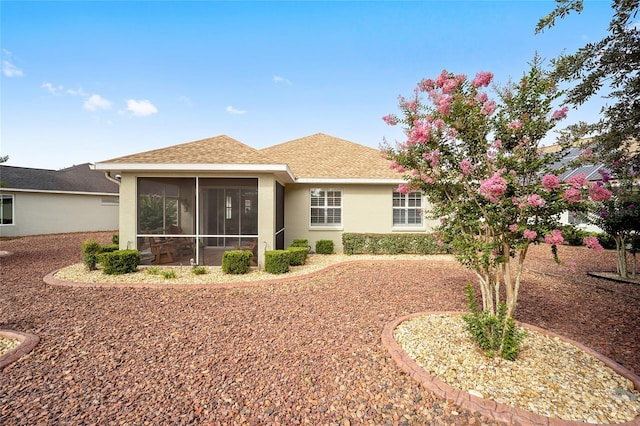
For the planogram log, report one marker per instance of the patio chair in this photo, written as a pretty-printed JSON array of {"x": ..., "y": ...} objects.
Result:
[{"x": 163, "y": 250}]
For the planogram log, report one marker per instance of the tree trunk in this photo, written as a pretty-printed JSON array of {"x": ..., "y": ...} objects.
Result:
[{"x": 621, "y": 255}]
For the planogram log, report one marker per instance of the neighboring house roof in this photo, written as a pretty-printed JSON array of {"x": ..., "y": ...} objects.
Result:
[
  {"x": 591, "y": 171},
  {"x": 80, "y": 178},
  {"x": 322, "y": 156}
]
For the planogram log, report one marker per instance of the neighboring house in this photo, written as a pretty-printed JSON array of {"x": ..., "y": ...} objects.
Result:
[
  {"x": 39, "y": 201},
  {"x": 214, "y": 194}
]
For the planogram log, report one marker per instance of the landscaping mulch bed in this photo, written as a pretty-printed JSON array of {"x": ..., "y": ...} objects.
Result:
[{"x": 306, "y": 351}]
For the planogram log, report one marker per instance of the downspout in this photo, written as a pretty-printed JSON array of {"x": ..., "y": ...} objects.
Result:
[{"x": 107, "y": 175}]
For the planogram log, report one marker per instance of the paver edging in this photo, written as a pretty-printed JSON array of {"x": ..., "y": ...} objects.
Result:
[
  {"x": 52, "y": 280},
  {"x": 488, "y": 408},
  {"x": 27, "y": 343}
]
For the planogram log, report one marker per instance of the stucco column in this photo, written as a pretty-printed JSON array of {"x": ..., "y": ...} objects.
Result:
[
  {"x": 266, "y": 216},
  {"x": 128, "y": 213}
]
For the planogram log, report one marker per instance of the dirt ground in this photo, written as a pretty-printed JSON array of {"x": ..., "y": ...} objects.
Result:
[{"x": 306, "y": 351}]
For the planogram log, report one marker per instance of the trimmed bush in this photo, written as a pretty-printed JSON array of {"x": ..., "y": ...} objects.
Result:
[
  {"x": 324, "y": 246},
  {"x": 109, "y": 248},
  {"x": 90, "y": 251},
  {"x": 119, "y": 261},
  {"x": 236, "y": 262},
  {"x": 298, "y": 255},
  {"x": 606, "y": 241},
  {"x": 199, "y": 270},
  {"x": 277, "y": 261},
  {"x": 300, "y": 243},
  {"x": 405, "y": 243}
]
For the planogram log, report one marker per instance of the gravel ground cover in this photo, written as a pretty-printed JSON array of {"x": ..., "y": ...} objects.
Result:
[{"x": 306, "y": 351}]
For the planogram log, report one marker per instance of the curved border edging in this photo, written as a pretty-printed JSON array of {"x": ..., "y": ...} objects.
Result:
[
  {"x": 27, "y": 343},
  {"x": 486, "y": 407},
  {"x": 51, "y": 280}
]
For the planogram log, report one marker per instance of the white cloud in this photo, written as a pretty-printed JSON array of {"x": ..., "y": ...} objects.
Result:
[
  {"x": 278, "y": 80},
  {"x": 10, "y": 70},
  {"x": 185, "y": 100},
  {"x": 51, "y": 88},
  {"x": 77, "y": 92},
  {"x": 232, "y": 110},
  {"x": 96, "y": 102},
  {"x": 141, "y": 108}
]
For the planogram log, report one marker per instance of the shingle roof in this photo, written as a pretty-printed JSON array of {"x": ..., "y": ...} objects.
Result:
[
  {"x": 324, "y": 156},
  {"x": 80, "y": 178},
  {"x": 217, "y": 150}
]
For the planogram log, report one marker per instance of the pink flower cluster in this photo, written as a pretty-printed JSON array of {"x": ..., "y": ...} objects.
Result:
[
  {"x": 488, "y": 108},
  {"x": 483, "y": 78},
  {"x": 432, "y": 157},
  {"x": 405, "y": 188},
  {"x": 598, "y": 193},
  {"x": 550, "y": 182},
  {"x": 560, "y": 114},
  {"x": 593, "y": 243},
  {"x": 390, "y": 119},
  {"x": 466, "y": 167},
  {"x": 530, "y": 235},
  {"x": 536, "y": 201},
  {"x": 420, "y": 133},
  {"x": 578, "y": 181},
  {"x": 554, "y": 238},
  {"x": 572, "y": 195},
  {"x": 515, "y": 125},
  {"x": 494, "y": 187}
]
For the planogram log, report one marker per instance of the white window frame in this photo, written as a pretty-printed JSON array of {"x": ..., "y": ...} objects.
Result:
[
  {"x": 406, "y": 207},
  {"x": 13, "y": 209},
  {"x": 325, "y": 206}
]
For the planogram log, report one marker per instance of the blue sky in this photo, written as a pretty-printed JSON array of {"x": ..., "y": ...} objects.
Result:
[{"x": 90, "y": 81}]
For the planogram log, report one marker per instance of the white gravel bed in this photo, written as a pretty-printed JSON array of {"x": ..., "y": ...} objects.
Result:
[
  {"x": 550, "y": 377},
  {"x": 7, "y": 345},
  {"x": 184, "y": 275}
]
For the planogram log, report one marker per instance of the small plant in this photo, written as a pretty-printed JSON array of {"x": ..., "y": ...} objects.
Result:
[
  {"x": 494, "y": 334},
  {"x": 199, "y": 270},
  {"x": 236, "y": 261},
  {"x": 300, "y": 243},
  {"x": 298, "y": 255},
  {"x": 277, "y": 261},
  {"x": 119, "y": 262},
  {"x": 169, "y": 274},
  {"x": 324, "y": 246},
  {"x": 115, "y": 239},
  {"x": 90, "y": 251},
  {"x": 153, "y": 270}
]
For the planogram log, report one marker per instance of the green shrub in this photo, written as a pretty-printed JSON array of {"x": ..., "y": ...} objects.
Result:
[
  {"x": 115, "y": 239},
  {"x": 298, "y": 255},
  {"x": 404, "y": 243},
  {"x": 199, "y": 270},
  {"x": 494, "y": 334},
  {"x": 90, "y": 251},
  {"x": 119, "y": 261},
  {"x": 277, "y": 261},
  {"x": 572, "y": 235},
  {"x": 300, "y": 243},
  {"x": 236, "y": 261},
  {"x": 109, "y": 248},
  {"x": 324, "y": 246},
  {"x": 153, "y": 270},
  {"x": 169, "y": 274}
]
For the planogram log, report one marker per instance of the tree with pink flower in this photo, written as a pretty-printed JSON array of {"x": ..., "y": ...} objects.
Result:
[{"x": 481, "y": 168}]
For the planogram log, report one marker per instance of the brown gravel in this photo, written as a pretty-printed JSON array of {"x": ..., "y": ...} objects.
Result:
[{"x": 302, "y": 352}]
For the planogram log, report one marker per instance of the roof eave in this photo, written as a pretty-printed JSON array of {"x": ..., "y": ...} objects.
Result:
[
  {"x": 338, "y": 181},
  {"x": 282, "y": 170}
]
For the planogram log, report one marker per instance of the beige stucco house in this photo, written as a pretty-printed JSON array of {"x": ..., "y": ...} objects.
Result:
[
  {"x": 42, "y": 201},
  {"x": 214, "y": 194}
]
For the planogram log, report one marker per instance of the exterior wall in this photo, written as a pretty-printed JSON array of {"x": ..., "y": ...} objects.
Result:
[
  {"x": 54, "y": 213},
  {"x": 365, "y": 208}
]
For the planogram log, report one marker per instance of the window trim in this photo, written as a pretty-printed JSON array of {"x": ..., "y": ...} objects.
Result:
[
  {"x": 329, "y": 226},
  {"x": 13, "y": 209},
  {"x": 406, "y": 208}
]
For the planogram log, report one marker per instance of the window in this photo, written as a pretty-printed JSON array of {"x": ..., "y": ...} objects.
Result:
[
  {"x": 326, "y": 207},
  {"x": 407, "y": 209},
  {"x": 6, "y": 209}
]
